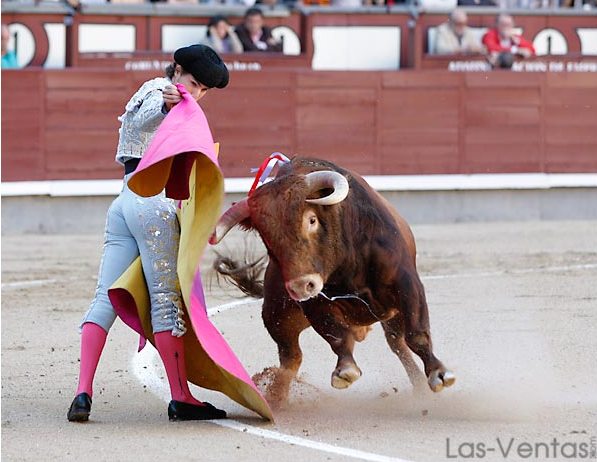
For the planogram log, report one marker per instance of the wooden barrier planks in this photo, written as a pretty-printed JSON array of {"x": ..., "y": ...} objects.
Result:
[
  {"x": 570, "y": 121},
  {"x": 81, "y": 125},
  {"x": 23, "y": 125},
  {"x": 405, "y": 122}
]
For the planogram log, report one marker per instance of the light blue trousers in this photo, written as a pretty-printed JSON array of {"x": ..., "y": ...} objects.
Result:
[{"x": 145, "y": 226}]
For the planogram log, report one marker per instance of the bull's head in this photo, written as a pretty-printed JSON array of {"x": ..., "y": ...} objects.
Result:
[{"x": 300, "y": 224}]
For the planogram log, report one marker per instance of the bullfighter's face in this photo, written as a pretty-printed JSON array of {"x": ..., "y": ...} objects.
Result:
[{"x": 196, "y": 89}]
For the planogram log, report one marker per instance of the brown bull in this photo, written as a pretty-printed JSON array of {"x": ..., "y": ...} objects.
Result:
[{"x": 341, "y": 259}]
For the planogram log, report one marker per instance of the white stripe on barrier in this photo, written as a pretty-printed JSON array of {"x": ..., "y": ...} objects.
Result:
[{"x": 457, "y": 182}]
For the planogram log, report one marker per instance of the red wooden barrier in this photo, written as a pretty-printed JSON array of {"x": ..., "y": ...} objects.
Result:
[{"x": 62, "y": 124}]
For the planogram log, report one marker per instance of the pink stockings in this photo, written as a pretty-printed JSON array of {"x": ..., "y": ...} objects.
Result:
[
  {"x": 93, "y": 339},
  {"x": 171, "y": 349}
]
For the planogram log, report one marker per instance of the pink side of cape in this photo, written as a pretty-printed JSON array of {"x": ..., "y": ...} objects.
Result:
[
  {"x": 124, "y": 305},
  {"x": 211, "y": 340},
  {"x": 185, "y": 130}
]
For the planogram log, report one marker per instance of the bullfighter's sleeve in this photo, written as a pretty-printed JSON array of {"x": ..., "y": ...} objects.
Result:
[{"x": 149, "y": 114}]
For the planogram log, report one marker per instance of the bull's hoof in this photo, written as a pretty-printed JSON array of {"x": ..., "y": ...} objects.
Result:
[
  {"x": 274, "y": 383},
  {"x": 343, "y": 378},
  {"x": 440, "y": 379}
]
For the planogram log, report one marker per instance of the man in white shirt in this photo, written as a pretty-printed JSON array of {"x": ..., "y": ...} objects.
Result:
[{"x": 454, "y": 36}]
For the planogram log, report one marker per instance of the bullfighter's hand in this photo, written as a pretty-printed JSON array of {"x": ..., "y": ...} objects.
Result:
[{"x": 171, "y": 96}]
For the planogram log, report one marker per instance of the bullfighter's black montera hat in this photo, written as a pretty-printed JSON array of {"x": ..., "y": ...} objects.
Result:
[{"x": 203, "y": 64}]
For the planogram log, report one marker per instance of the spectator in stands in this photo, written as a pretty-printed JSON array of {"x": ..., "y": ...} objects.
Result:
[
  {"x": 584, "y": 4},
  {"x": 221, "y": 36},
  {"x": 9, "y": 57},
  {"x": 503, "y": 43},
  {"x": 239, "y": 3},
  {"x": 254, "y": 35},
  {"x": 477, "y": 3},
  {"x": 347, "y": 3},
  {"x": 267, "y": 3},
  {"x": 454, "y": 36}
]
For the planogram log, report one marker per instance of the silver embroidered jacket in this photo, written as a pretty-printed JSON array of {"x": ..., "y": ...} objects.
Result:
[{"x": 143, "y": 114}]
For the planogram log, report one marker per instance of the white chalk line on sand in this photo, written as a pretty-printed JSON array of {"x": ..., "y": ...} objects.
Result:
[
  {"x": 39, "y": 282},
  {"x": 228, "y": 306},
  {"x": 147, "y": 375},
  {"x": 244, "y": 301},
  {"x": 26, "y": 284},
  {"x": 546, "y": 269},
  {"x": 143, "y": 367},
  {"x": 297, "y": 441}
]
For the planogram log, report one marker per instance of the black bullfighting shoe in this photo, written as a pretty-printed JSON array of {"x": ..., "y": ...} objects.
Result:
[
  {"x": 80, "y": 408},
  {"x": 177, "y": 410}
]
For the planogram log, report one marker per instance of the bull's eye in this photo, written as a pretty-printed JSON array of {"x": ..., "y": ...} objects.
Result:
[{"x": 310, "y": 223}]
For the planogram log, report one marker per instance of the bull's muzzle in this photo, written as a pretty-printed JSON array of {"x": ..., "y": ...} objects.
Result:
[{"x": 305, "y": 287}]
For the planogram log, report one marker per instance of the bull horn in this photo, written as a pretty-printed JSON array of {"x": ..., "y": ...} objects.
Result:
[
  {"x": 232, "y": 217},
  {"x": 327, "y": 179}
]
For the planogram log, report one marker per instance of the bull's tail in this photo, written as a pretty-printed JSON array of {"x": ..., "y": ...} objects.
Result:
[{"x": 247, "y": 276}]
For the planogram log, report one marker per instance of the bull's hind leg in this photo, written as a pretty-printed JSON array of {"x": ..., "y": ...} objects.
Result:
[
  {"x": 394, "y": 331},
  {"x": 417, "y": 332},
  {"x": 329, "y": 323}
]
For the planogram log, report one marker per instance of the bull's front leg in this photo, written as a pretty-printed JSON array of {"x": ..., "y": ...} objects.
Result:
[
  {"x": 284, "y": 320},
  {"x": 417, "y": 331},
  {"x": 329, "y": 323}
]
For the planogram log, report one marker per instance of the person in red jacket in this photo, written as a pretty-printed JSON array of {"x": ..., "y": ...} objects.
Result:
[{"x": 502, "y": 41}]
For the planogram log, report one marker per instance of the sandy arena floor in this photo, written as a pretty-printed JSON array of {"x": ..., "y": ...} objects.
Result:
[{"x": 513, "y": 312}]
